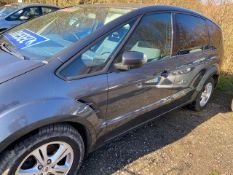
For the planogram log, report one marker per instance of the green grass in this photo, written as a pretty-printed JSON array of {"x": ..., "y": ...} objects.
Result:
[
  {"x": 225, "y": 84},
  {"x": 214, "y": 173}
]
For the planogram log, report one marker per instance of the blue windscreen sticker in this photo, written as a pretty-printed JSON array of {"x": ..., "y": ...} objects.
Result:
[{"x": 24, "y": 38}]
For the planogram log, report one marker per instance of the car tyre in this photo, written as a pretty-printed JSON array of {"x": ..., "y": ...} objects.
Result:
[
  {"x": 203, "y": 96},
  {"x": 61, "y": 146}
]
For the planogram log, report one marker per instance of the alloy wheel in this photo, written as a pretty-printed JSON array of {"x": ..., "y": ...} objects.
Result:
[
  {"x": 206, "y": 94},
  {"x": 54, "y": 158}
]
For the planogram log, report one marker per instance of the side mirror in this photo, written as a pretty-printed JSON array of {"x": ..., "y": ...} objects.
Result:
[
  {"x": 23, "y": 18},
  {"x": 131, "y": 59}
]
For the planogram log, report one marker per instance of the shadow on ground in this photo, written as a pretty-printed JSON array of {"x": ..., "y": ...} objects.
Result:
[{"x": 151, "y": 137}]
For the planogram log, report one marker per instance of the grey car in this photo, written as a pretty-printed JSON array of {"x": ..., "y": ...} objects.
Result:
[
  {"x": 17, "y": 13},
  {"x": 74, "y": 79}
]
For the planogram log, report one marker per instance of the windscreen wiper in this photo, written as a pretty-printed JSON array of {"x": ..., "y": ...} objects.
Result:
[{"x": 17, "y": 54}]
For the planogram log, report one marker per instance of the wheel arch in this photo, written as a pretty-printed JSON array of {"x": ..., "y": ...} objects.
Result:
[
  {"x": 213, "y": 72},
  {"x": 80, "y": 127},
  {"x": 27, "y": 119}
]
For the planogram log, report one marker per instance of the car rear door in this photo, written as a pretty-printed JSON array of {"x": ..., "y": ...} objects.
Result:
[
  {"x": 191, "y": 46},
  {"x": 137, "y": 91}
]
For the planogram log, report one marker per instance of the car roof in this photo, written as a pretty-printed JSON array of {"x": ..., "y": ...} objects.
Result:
[
  {"x": 146, "y": 8},
  {"x": 22, "y": 5}
]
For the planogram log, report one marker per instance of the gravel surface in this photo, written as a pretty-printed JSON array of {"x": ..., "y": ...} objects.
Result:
[{"x": 182, "y": 142}]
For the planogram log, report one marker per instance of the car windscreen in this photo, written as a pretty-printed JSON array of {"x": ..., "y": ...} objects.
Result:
[
  {"x": 48, "y": 35},
  {"x": 8, "y": 9}
]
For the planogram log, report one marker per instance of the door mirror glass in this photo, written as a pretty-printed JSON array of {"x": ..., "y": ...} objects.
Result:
[{"x": 131, "y": 59}]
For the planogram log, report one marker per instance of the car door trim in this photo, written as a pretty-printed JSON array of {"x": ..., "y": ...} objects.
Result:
[{"x": 147, "y": 108}]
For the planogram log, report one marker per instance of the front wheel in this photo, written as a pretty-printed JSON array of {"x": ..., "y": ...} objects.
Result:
[
  {"x": 56, "y": 149},
  {"x": 204, "y": 96}
]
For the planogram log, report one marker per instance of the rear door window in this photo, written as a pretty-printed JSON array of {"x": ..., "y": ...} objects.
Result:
[{"x": 191, "y": 34}]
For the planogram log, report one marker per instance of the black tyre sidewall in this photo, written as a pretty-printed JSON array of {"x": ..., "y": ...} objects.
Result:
[{"x": 32, "y": 143}]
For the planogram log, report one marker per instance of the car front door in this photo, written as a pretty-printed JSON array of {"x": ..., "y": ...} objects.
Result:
[
  {"x": 87, "y": 79},
  {"x": 137, "y": 91}
]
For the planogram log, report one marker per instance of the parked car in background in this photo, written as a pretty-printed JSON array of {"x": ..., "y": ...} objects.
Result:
[
  {"x": 17, "y": 13},
  {"x": 76, "y": 78}
]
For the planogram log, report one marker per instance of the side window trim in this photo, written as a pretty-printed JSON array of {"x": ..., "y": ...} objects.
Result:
[
  {"x": 206, "y": 23},
  {"x": 40, "y": 10},
  {"x": 86, "y": 47}
]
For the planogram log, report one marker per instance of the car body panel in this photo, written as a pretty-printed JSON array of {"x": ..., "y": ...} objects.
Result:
[
  {"x": 107, "y": 104},
  {"x": 9, "y": 62},
  {"x": 60, "y": 101}
]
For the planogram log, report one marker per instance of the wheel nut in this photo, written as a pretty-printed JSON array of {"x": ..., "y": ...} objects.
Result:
[
  {"x": 49, "y": 161},
  {"x": 40, "y": 167}
]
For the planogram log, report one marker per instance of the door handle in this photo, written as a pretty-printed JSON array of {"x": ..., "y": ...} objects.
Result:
[{"x": 164, "y": 74}]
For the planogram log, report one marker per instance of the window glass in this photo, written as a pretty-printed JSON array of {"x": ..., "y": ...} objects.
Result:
[
  {"x": 152, "y": 37},
  {"x": 191, "y": 34},
  {"x": 46, "y": 10},
  {"x": 31, "y": 12},
  {"x": 215, "y": 35},
  {"x": 59, "y": 30},
  {"x": 15, "y": 16},
  {"x": 95, "y": 58},
  {"x": 7, "y": 10}
]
